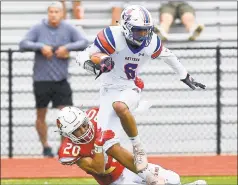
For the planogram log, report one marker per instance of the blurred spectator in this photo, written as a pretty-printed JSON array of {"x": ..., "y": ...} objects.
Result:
[
  {"x": 182, "y": 10},
  {"x": 52, "y": 39},
  {"x": 117, "y": 8},
  {"x": 77, "y": 10}
]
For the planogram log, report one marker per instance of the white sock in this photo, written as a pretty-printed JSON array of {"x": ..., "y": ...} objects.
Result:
[{"x": 135, "y": 140}]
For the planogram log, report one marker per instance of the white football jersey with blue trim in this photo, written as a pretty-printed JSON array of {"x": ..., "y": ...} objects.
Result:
[{"x": 128, "y": 60}]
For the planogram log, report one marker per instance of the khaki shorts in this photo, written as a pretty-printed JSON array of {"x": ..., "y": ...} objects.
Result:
[{"x": 176, "y": 9}]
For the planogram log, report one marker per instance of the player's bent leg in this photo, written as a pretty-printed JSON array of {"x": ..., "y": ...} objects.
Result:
[
  {"x": 123, "y": 105},
  {"x": 106, "y": 117},
  {"x": 127, "y": 119},
  {"x": 129, "y": 125}
]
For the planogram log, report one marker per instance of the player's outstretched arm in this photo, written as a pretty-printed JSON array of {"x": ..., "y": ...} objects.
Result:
[
  {"x": 88, "y": 164},
  {"x": 123, "y": 156},
  {"x": 171, "y": 59},
  {"x": 96, "y": 164}
]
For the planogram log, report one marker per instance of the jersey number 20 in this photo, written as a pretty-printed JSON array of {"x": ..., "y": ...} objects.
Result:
[
  {"x": 72, "y": 148},
  {"x": 130, "y": 70}
]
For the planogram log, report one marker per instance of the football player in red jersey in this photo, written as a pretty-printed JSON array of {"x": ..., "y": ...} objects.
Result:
[{"x": 99, "y": 153}]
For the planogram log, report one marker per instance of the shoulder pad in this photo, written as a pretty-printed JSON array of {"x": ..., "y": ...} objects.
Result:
[
  {"x": 155, "y": 46},
  {"x": 105, "y": 41},
  {"x": 92, "y": 115}
]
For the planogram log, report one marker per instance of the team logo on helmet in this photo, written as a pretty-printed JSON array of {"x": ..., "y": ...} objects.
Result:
[
  {"x": 127, "y": 15},
  {"x": 59, "y": 125}
]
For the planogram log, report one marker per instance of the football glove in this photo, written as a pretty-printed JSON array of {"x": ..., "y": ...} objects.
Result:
[
  {"x": 139, "y": 83},
  {"x": 105, "y": 66},
  {"x": 192, "y": 83},
  {"x": 101, "y": 138}
]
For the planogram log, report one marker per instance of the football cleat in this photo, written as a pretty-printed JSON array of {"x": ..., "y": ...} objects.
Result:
[{"x": 140, "y": 157}]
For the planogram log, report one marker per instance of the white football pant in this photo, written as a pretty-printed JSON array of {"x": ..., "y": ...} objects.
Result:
[
  {"x": 128, "y": 177},
  {"x": 107, "y": 118}
]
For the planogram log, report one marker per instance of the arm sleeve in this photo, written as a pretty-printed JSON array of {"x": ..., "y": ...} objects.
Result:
[
  {"x": 78, "y": 40},
  {"x": 30, "y": 41},
  {"x": 171, "y": 59}
]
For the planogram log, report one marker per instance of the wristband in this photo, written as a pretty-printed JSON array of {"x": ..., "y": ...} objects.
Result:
[{"x": 98, "y": 149}]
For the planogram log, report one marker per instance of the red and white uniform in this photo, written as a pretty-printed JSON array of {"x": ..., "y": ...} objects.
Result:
[
  {"x": 70, "y": 152},
  {"x": 115, "y": 173}
]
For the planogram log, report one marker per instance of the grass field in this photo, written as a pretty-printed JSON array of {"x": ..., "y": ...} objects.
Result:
[{"x": 215, "y": 180}]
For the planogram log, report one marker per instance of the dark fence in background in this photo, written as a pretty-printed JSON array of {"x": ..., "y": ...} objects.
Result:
[{"x": 8, "y": 75}]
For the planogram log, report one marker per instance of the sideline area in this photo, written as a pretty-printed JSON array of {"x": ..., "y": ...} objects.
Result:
[{"x": 183, "y": 165}]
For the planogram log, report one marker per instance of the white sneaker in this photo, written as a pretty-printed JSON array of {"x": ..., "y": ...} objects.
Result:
[
  {"x": 198, "y": 182},
  {"x": 140, "y": 157},
  {"x": 195, "y": 32}
]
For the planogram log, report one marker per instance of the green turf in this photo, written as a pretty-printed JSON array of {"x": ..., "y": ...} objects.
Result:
[
  {"x": 73, "y": 181},
  {"x": 217, "y": 180}
]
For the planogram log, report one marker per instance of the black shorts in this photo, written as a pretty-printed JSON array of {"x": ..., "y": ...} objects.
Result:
[{"x": 59, "y": 93}]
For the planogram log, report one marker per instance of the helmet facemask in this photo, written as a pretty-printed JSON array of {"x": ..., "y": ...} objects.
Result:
[
  {"x": 86, "y": 136},
  {"x": 141, "y": 35}
]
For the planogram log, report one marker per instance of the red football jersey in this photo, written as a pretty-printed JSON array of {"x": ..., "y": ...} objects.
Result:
[{"x": 70, "y": 152}]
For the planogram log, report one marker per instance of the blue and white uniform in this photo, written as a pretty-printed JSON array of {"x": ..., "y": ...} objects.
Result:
[{"x": 118, "y": 84}]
